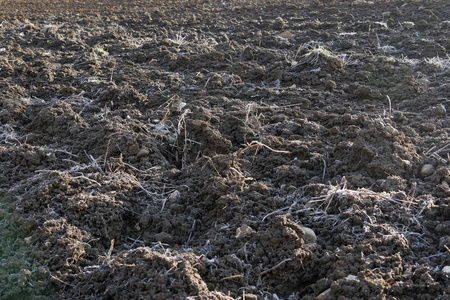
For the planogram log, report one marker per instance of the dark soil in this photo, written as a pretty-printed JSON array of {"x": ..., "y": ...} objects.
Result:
[{"x": 225, "y": 149}]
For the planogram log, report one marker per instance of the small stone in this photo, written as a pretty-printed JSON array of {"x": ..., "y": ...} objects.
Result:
[
  {"x": 346, "y": 45},
  {"x": 330, "y": 85},
  {"x": 27, "y": 240},
  {"x": 438, "y": 111},
  {"x": 244, "y": 231},
  {"x": 408, "y": 25},
  {"x": 279, "y": 23},
  {"x": 174, "y": 196},
  {"x": 309, "y": 237},
  {"x": 334, "y": 62},
  {"x": 324, "y": 295},
  {"x": 143, "y": 152},
  {"x": 399, "y": 116},
  {"x": 250, "y": 297},
  {"x": 427, "y": 170},
  {"x": 199, "y": 124},
  {"x": 164, "y": 237},
  {"x": 446, "y": 269},
  {"x": 180, "y": 104},
  {"x": 48, "y": 28},
  {"x": 352, "y": 277},
  {"x": 390, "y": 131},
  {"x": 401, "y": 195},
  {"x": 428, "y": 127},
  {"x": 286, "y": 34},
  {"x": 422, "y": 25}
]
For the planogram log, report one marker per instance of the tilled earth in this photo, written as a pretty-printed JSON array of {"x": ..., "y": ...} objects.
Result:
[{"x": 225, "y": 149}]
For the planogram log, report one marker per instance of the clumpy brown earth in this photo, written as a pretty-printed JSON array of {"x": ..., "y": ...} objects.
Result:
[{"x": 225, "y": 149}]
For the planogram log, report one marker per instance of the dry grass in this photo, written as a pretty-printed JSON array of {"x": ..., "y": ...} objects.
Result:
[
  {"x": 340, "y": 191},
  {"x": 314, "y": 54},
  {"x": 439, "y": 153},
  {"x": 256, "y": 144}
]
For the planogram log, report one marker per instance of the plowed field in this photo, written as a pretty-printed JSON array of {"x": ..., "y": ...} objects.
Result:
[{"x": 225, "y": 149}]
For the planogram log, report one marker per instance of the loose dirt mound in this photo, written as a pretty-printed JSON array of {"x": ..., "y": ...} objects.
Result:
[{"x": 225, "y": 150}]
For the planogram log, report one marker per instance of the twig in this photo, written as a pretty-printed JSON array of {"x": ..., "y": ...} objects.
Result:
[
  {"x": 106, "y": 154},
  {"x": 94, "y": 162},
  {"x": 57, "y": 279},
  {"x": 63, "y": 151},
  {"x": 286, "y": 106},
  {"x": 164, "y": 200},
  {"x": 232, "y": 277},
  {"x": 112, "y": 72},
  {"x": 110, "y": 250},
  {"x": 135, "y": 241},
  {"x": 257, "y": 144},
  {"x": 412, "y": 192},
  {"x": 434, "y": 154},
  {"x": 276, "y": 266},
  {"x": 446, "y": 248},
  {"x": 390, "y": 106},
  {"x": 133, "y": 167},
  {"x": 431, "y": 149},
  {"x": 212, "y": 164},
  {"x": 324, "y": 169},
  {"x": 88, "y": 179},
  {"x": 207, "y": 81},
  {"x": 275, "y": 212},
  {"x": 437, "y": 151},
  {"x": 190, "y": 234}
]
